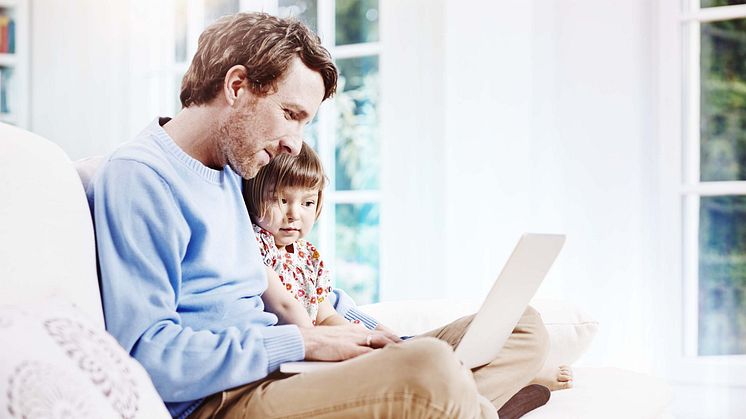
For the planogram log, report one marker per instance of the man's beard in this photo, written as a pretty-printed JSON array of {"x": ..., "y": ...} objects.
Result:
[{"x": 238, "y": 152}]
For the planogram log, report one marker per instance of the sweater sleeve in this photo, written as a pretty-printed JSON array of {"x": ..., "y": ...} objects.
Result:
[
  {"x": 346, "y": 307},
  {"x": 142, "y": 239}
]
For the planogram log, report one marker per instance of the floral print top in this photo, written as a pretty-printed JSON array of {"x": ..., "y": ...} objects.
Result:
[{"x": 302, "y": 271}]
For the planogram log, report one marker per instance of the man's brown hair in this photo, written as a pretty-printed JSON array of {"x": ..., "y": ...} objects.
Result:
[
  {"x": 284, "y": 171},
  {"x": 262, "y": 43}
]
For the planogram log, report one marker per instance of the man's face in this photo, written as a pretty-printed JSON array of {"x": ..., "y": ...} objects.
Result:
[{"x": 261, "y": 127}]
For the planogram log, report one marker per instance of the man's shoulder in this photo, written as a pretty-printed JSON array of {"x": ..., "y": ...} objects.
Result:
[
  {"x": 135, "y": 167},
  {"x": 143, "y": 150},
  {"x": 141, "y": 156}
]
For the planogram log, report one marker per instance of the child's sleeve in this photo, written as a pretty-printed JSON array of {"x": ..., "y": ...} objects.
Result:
[
  {"x": 346, "y": 307},
  {"x": 322, "y": 283},
  {"x": 267, "y": 248},
  {"x": 342, "y": 303}
]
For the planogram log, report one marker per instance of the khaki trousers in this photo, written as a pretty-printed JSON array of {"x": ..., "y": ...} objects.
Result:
[{"x": 418, "y": 378}]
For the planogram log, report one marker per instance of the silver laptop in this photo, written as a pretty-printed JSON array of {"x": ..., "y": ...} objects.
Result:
[{"x": 502, "y": 308}]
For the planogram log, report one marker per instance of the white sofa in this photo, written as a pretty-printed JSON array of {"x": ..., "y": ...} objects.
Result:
[{"x": 57, "y": 359}]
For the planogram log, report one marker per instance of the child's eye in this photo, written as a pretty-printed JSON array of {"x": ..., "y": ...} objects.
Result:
[
  {"x": 310, "y": 203},
  {"x": 283, "y": 201},
  {"x": 290, "y": 115}
]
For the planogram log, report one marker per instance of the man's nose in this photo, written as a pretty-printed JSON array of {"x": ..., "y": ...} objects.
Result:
[{"x": 291, "y": 144}]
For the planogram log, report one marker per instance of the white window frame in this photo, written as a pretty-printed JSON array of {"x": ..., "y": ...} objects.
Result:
[
  {"x": 327, "y": 139},
  {"x": 678, "y": 105},
  {"x": 326, "y": 118}
]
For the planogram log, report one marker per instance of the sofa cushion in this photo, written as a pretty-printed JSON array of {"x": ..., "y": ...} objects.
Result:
[
  {"x": 571, "y": 330},
  {"x": 56, "y": 363},
  {"x": 608, "y": 393}
]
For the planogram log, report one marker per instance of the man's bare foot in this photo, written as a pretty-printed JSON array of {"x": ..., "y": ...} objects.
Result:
[{"x": 556, "y": 378}]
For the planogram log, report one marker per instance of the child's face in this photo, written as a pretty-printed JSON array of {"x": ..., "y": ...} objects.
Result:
[{"x": 292, "y": 217}]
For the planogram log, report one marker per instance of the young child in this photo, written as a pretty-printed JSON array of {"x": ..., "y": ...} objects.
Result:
[{"x": 284, "y": 201}]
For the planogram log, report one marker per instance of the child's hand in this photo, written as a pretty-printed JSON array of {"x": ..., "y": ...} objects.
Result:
[
  {"x": 387, "y": 332},
  {"x": 357, "y": 323},
  {"x": 385, "y": 329}
]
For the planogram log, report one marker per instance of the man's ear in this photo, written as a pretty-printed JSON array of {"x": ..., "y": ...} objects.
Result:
[{"x": 235, "y": 84}]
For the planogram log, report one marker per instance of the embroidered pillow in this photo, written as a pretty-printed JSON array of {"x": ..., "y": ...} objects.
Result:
[{"x": 55, "y": 363}]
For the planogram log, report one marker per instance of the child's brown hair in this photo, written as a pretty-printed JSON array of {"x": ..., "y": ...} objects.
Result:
[{"x": 284, "y": 171}]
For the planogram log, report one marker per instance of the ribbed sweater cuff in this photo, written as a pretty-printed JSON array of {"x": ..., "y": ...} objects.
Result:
[
  {"x": 355, "y": 314},
  {"x": 283, "y": 344}
]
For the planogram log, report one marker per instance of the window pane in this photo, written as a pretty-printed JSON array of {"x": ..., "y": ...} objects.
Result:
[
  {"x": 217, "y": 8},
  {"x": 356, "y": 149},
  {"x": 6, "y": 75},
  {"x": 313, "y": 237},
  {"x": 723, "y": 101},
  {"x": 356, "y": 265},
  {"x": 180, "y": 29},
  {"x": 722, "y": 275},
  {"x": 303, "y": 10},
  {"x": 311, "y": 135},
  {"x": 356, "y": 21},
  {"x": 714, "y": 3},
  {"x": 177, "y": 89}
]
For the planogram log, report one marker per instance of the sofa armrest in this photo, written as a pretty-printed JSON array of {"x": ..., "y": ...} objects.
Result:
[{"x": 47, "y": 247}]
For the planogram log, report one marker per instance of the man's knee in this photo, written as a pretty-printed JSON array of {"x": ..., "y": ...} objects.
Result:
[
  {"x": 432, "y": 373},
  {"x": 533, "y": 326},
  {"x": 429, "y": 354}
]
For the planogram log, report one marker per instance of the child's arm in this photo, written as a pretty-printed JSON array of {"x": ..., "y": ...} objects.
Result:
[
  {"x": 278, "y": 301},
  {"x": 327, "y": 316}
]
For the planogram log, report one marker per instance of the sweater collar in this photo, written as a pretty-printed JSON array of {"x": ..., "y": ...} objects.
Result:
[{"x": 168, "y": 144}]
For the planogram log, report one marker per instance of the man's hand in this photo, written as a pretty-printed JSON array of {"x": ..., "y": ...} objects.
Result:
[{"x": 337, "y": 343}]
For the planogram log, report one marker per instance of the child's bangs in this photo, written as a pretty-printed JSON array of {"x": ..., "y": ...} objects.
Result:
[{"x": 303, "y": 174}]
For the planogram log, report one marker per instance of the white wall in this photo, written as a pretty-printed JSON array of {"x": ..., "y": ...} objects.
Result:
[
  {"x": 89, "y": 65},
  {"x": 488, "y": 138},
  {"x": 412, "y": 75},
  {"x": 590, "y": 163},
  {"x": 545, "y": 127},
  {"x": 78, "y": 73}
]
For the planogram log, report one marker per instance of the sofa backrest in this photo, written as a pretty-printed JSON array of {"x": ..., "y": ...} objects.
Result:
[{"x": 47, "y": 246}]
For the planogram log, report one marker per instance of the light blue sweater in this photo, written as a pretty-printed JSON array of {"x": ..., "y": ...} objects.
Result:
[{"x": 181, "y": 275}]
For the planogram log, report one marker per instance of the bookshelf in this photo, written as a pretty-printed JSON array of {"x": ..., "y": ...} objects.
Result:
[{"x": 14, "y": 62}]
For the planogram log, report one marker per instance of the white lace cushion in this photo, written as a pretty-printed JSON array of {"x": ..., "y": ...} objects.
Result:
[{"x": 55, "y": 363}]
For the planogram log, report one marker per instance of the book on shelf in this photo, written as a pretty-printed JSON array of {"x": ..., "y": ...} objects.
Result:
[
  {"x": 7, "y": 35},
  {"x": 4, "y": 109},
  {"x": 11, "y": 36}
]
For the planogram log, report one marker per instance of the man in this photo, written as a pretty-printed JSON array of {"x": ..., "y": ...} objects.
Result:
[{"x": 181, "y": 275}]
